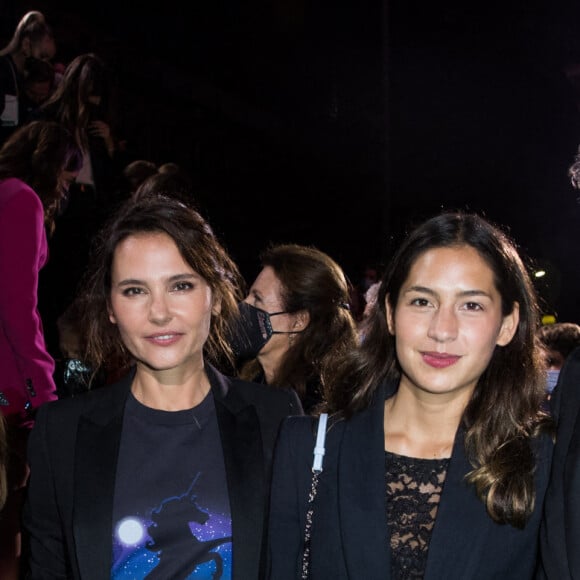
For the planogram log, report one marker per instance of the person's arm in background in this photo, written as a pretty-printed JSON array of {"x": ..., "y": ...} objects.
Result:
[{"x": 27, "y": 367}]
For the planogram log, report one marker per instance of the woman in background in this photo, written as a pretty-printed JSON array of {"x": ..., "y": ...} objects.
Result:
[
  {"x": 32, "y": 38},
  {"x": 83, "y": 103},
  {"x": 296, "y": 323},
  {"x": 37, "y": 165}
]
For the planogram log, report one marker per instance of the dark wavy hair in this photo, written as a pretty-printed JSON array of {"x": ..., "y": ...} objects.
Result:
[
  {"x": 199, "y": 247},
  {"x": 37, "y": 153},
  {"x": 85, "y": 76},
  {"x": 563, "y": 337},
  {"x": 504, "y": 412},
  {"x": 311, "y": 280}
]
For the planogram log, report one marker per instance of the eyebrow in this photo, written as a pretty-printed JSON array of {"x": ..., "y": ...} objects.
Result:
[
  {"x": 256, "y": 294},
  {"x": 174, "y": 278},
  {"x": 463, "y": 293}
]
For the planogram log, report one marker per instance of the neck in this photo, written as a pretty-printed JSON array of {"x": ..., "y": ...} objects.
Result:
[
  {"x": 167, "y": 391},
  {"x": 418, "y": 428},
  {"x": 270, "y": 365}
]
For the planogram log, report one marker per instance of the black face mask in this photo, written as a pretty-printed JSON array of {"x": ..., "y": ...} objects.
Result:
[{"x": 253, "y": 331}]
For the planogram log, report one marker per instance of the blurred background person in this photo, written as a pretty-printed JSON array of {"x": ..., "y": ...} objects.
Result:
[
  {"x": 83, "y": 103},
  {"x": 370, "y": 299},
  {"x": 37, "y": 164},
  {"x": 558, "y": 341},
  {"x": 136, "y": 172},
  {"x": 38, "y": 83},
  {"x": 296, "y": 322},
  {"x": 33, "y": 37},
  {"x": 176, "y": 184},
  {"x": 176, "y": 448}
]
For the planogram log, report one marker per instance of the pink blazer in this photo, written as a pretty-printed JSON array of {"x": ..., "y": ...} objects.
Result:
[{"x": 26, "y": 368}]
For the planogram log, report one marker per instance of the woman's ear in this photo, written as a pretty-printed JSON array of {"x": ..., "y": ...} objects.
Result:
[
  {"x": 216, "y": 305},
  {"x": 390, "y": 316},
  {"x": 112, "y": 317},
  {"x": 301, "y": 320},
  {"x": 509, "y": 325}
]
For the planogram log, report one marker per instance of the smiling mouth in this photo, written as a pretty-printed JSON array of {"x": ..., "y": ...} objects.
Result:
[
  {"x": 163, "y": 338},
  {"x": 439, "y": 360}
]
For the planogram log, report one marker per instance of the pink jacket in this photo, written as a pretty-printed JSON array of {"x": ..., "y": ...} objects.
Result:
[{"x": 26, "y": 367}]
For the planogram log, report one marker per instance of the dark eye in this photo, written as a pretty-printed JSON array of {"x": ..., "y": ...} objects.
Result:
[
  {"x": 420, "y": 302},
  {"x": 181, "y": 286},
  {"x": 475, "y": 306},
  {"x": 132, "y": 291}
]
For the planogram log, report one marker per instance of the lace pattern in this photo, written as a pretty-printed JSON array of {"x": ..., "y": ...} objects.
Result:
[{"x": 413, "y": 488}]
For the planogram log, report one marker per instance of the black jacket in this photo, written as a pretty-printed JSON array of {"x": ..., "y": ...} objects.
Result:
[
  {"x": 349, "y": 530},
  {"x": 73, "y": 452},
  {"x": 560, "y": 530}
]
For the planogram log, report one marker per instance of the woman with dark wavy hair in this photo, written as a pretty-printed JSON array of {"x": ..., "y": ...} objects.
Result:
[
  {"x": 438, "y": 451},
  {"x": 296, "y": 322},
  {"x": 165, "y": 473}
]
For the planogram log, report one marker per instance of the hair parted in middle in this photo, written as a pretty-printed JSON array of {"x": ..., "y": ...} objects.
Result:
[
  {"x": 505, "y": 411},
  {"x": 198, "y": 246}
]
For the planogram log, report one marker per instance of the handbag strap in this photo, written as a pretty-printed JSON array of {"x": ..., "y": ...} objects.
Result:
[{"x": 316, "y": 471}]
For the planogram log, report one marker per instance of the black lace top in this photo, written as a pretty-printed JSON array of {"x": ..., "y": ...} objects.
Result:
[{"x": 413, "y": 491}]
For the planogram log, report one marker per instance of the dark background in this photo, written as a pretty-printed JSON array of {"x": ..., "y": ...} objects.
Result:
[{"x": 338, "y": 124}]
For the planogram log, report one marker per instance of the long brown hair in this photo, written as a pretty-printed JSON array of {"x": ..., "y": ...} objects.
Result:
[
  {"x": 311, "y": 281},
  {"x": 200, "y": 248},
  {"x": 37, "y": 153},
  {"x": 85, "y": 76},
  {"x": 504, "y": 413}
]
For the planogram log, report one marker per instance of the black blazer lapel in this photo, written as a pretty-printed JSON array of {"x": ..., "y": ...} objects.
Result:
[
  {"x": 95, "y": 465},
  {"x": 247, "y": 482},
  {"x": 362, "y": 494},
  {"x": 460, "y": 512}
]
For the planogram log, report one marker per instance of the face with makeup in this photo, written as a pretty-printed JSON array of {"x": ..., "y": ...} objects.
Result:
[
  {"x": 162, "y": 307},
  {"x": 448, "y": 321}
]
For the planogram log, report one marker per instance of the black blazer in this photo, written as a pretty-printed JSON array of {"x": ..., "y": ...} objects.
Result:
[
  {"x": 560, "y": 530},
  {"x": 73, "y": 452},
  {"x": 349, "y": 531}
]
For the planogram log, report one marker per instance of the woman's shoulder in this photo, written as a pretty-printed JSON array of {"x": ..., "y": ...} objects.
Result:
[
  {"x": 15, "y": 190},
  {"x": 101, "y": 403},
  {"x": 306, "y": 426},
  {"x": 263, "y": 394}
]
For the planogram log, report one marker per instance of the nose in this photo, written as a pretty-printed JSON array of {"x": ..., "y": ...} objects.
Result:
[
  {"x": 443, "y": 325},
  {"x": 159, "y": 310}
]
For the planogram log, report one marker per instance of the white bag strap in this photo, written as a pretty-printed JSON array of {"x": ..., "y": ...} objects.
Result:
[{"x": 319, "y": 446}]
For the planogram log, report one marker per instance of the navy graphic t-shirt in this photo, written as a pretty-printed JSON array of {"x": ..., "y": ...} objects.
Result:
[{"x": 171, "y": 515}]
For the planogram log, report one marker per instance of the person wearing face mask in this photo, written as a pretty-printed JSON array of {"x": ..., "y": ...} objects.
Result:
[
  {"x": 295, "y": 322},
  {"x": 558, "y": 341}
]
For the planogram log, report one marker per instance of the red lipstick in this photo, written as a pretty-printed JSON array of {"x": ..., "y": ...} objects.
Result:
[{"x": 440, "y": 360}]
